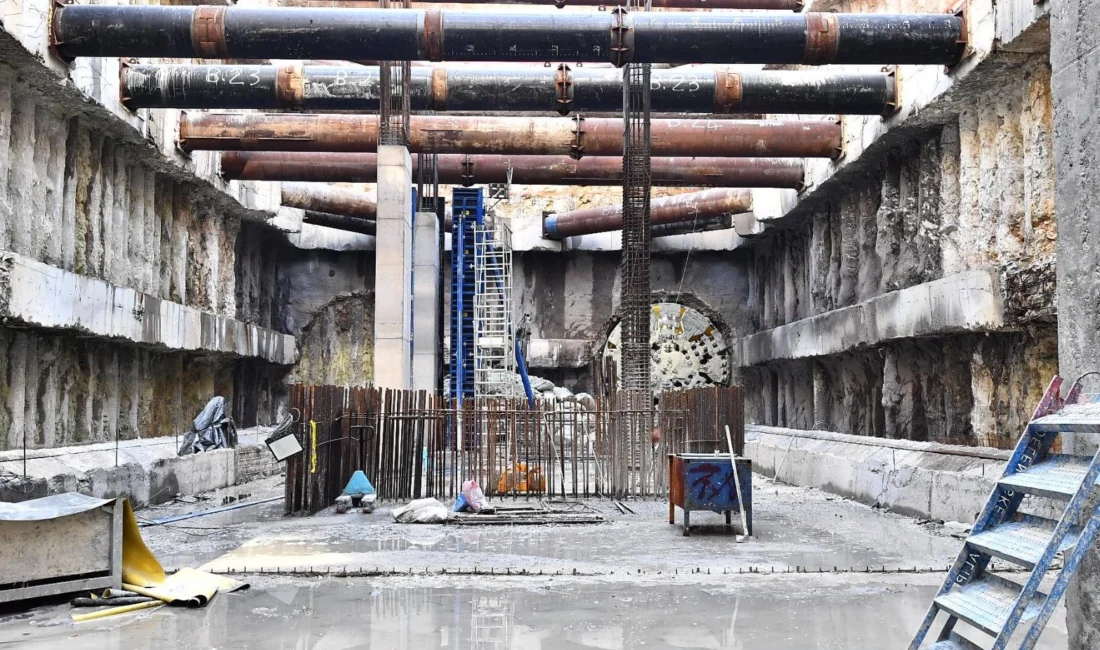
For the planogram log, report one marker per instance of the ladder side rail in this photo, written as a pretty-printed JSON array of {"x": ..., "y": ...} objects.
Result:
[
  {"x": 998, "y": 505},
  {"x": 1069, "y": 568}
]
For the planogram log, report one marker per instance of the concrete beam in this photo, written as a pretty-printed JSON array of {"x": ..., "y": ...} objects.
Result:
[
  {"x": 426, "y": 287},
  {"x": 393, "y": 270},
  {"x": 37, "y": 295},
  {"x": 919, "y": 479},
  {"x": 967, "y": 302}
]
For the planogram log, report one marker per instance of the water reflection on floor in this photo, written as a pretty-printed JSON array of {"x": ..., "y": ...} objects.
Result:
[{"x": 333, "y": 615}]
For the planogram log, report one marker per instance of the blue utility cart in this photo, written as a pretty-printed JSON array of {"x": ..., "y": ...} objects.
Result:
[{"x": 705, "y": 482}]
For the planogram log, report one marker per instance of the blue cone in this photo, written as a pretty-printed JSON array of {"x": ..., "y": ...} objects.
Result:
[{"x": 358, "y": 485}]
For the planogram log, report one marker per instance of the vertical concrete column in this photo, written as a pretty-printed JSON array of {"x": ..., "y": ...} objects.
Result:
[
  {"x": 425, "y": 296},
  {"x": 393, "y": 270},
  {"x": 1075, "y": 87}
]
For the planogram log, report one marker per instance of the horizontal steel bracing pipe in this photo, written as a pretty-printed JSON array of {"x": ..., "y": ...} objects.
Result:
[
  {"x": 515, "y": 88},
  {"x": 762, "y": 5},
  {"x": 458, "y": 169},
  {"x": 681, "y": 208},
  {"x": 719, "y": 222},
  {"x": 545, "y": 136},
  {"x": 340, "y": 222},
  {"x": 208, "y": 32},
  {"x": 333, "y": 200}
]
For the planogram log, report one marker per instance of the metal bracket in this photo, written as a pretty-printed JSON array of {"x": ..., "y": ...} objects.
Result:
[
  {"x": 53, "y": 42},
  {"x": 563, "y": 82},
  {"x": 893, "y": 80},
  {"x": 622, "y": 37},
  {"x": 124, "y": 63},
  {"x": 467, "y": 171},
  {"x": 961, "y": 10},
  {"x": 839, "y": 151},
  {"x": 576, "y": 148}
]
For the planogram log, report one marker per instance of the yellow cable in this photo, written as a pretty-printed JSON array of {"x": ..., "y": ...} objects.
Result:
[{"x": 312, "y": 447}]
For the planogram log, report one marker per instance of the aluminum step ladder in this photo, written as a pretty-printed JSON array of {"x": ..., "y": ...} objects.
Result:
[{"x": 997, "y": 606}]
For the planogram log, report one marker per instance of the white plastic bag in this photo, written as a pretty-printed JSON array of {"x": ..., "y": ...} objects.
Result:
[
  {"x": 475, "y": 497},
  {"x": 421, "y": 511}
]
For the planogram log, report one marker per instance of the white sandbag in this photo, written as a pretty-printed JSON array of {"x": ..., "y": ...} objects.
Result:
[{"x": 421, "y": 511}]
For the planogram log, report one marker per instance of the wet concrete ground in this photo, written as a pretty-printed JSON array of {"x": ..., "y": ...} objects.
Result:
[{"x": 640, "y": 583}]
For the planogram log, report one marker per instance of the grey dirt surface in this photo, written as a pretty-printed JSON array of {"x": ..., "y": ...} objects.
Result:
[{"x": 634, "y": 581}]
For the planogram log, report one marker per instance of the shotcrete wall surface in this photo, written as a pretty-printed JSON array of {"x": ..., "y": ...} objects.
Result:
[
  {"x": 1075, "y": 58},
  {"x": 963, "y": 189}
]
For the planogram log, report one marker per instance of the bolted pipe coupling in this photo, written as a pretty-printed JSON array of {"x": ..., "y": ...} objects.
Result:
[{"x": 622, "y": 37}]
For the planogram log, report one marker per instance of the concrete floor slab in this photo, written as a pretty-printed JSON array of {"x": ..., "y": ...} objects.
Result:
[{"x": 640, "y": 583}]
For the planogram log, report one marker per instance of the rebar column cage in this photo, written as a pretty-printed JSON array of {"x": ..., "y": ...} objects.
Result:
[
  {"x": 634, "y": 265},
  {"x": 394, "y": 106}
]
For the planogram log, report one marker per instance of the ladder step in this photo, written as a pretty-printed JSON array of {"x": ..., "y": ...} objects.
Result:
[
  {"x": 1073, "y": 418},
  {"x": 1057, "y": 477},
  {"x": 956, "y": 642},
  {"x": 1023, "y": 542},
  {"x": 987, "y": 602}
]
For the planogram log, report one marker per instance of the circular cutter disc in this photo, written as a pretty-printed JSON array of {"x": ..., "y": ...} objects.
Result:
[{"x": 686, "y": 349}]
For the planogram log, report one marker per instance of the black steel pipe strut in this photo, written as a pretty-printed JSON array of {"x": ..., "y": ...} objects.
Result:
[
  {"x": 516, "y": 88},
  {"x": 207, "y": 32}
]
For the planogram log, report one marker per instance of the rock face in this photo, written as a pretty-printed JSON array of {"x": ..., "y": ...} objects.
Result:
[
  {"x": 687, "y": 349},
  {"x": 76, "y": 199},
  {"x": 974, "y": 192}
]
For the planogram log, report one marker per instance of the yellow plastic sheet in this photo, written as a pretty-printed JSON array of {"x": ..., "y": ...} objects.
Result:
[{"x": 143, "y": 574}]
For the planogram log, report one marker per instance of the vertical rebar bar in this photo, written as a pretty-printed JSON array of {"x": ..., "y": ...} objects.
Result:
[{"x": 395, "y": 78}]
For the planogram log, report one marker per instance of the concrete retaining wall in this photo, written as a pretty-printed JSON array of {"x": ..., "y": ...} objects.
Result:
[
  {"x": 919, "y": 479},
  {"x": 145, "y": 471}
]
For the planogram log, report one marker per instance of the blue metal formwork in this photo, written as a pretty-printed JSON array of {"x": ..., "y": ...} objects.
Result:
[
  {"x": 994, "y": 605},
  {"x": 467, "y": 211}
]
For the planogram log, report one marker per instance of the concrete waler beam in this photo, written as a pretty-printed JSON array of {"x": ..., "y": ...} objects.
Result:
[
  {"x": 510, "y": 89},
  {"x": 208, "y": 32},
  {"x": 686, "y": 209},
  {"x": 459, "y": 169},
  {"x": 575, "y": 136}
]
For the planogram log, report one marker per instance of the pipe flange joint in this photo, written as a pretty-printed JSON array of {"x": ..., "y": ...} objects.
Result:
[
  {"x": 822, "y": 38},
  {"x": 433, "y": 35},
  {"x": 576, "y": 148},
  {"x": 290, "y": 83},
  {"x": 208, "y": 33},
  {"x": 728, "y": 91},
  {"x": 622, "y": 37},
  {"x": 467, "y": 171},
  {"x": 563, "y": 84}
]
